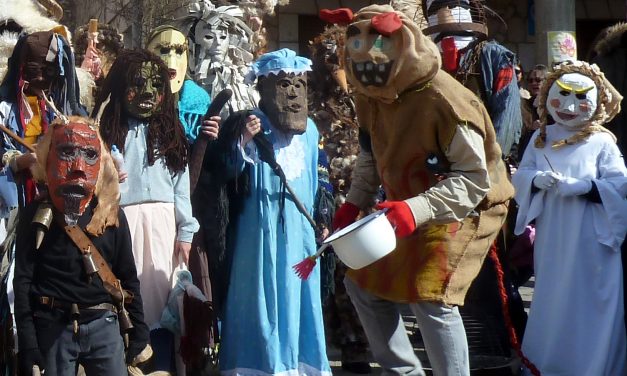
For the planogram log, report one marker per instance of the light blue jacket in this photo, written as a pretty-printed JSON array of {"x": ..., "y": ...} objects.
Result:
[{"x": 155, "y": 183}]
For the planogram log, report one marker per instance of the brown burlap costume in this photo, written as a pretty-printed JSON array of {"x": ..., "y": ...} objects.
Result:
[{"x": 411, "y": 121}]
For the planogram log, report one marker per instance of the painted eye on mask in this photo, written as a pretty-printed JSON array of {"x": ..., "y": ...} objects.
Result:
[
  {"x": 139, "y": 81},
  {"x": 383, "y": 43},
  {"x": 356, "y": 44},
  {"x": 564, "y": 93},
  {"x": 158, "y": 84},
  {"x": 581, "y": 96}
]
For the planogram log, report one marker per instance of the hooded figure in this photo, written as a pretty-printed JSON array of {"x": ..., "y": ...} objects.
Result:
[
  {"x": 57, "y": 295},
  {"x": 572, "y": 182},
  {"x": 431, "y": 145}
]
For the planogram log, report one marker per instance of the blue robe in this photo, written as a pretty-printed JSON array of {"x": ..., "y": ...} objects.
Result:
[{"x": 273, "y": 320}]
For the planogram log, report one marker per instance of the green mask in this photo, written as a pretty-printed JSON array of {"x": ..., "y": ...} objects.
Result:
[{"x": 145, "y": 90}]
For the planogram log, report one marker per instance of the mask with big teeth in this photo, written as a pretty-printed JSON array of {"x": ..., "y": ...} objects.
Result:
[
  {"x": 284, "y": 101},
  {"x": 144, "y": 93},
  {"x": 386, "y": 53},
  {"x": 72, "y": 168}
]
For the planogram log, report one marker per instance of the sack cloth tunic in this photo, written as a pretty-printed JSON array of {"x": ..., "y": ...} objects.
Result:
[{"x": 439, "y": 261}]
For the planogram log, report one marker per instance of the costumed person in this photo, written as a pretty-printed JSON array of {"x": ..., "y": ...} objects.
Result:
[
  {"x": 141, "y": 120},
  {"x": 272, "y": 321},
  {"x": 220, "y": 57},
  {"x": 28, "y": 16},
  {"x": 484, "y": 66},
  {"x": 221, "y": 53},
  {"x": 610, "y": 52},
  {"x": 95, "y": 53},
  {"x": 68, "y": 310},
  {"x": 41, "y": 66},
  {"x": 572, "y": 182},
  {"x": 254, "y": 13},
  {"x": 332, "y": 109},
  {"x": 487, "y": 68},
  {"x": 430, "y": 143},
  {"x": 171, "y": 46}
]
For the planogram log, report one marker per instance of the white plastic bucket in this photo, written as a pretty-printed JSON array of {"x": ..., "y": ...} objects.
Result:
[{"x": 365, "y": 241}]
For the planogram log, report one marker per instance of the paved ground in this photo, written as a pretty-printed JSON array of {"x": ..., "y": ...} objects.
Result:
[{"x": 334, "y": 354}]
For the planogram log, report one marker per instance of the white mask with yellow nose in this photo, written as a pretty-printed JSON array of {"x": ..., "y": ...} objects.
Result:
[{"x": 572, "y": 100}]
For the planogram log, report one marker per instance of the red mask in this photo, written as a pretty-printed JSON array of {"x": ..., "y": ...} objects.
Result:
[{"x": 72, "y": 168}]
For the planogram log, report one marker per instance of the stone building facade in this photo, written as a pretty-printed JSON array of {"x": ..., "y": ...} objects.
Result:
[{"x": 293, "y": 25}]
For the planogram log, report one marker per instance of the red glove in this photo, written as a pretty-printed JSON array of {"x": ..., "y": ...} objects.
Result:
[
  {"x": 400, "y": 216},
  {"x": 345, "y": 215}
]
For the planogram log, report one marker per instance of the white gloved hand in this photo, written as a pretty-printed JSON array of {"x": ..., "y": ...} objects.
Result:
[
  {"x": 546, "y": 179},
  {"x": 573, "y": 187}
]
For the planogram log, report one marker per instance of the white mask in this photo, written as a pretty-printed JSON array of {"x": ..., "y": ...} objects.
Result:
[
  {"x": 213, "y": 41},
  {"x": 572, "y": 100}
]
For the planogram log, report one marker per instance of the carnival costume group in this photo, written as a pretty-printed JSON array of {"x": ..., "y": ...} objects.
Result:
[{"x": 162, "y": 210}]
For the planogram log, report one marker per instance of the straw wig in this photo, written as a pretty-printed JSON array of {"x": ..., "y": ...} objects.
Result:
[{"x": 608, "y": 102}]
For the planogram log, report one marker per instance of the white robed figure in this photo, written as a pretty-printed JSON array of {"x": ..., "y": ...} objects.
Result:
[{"x": 573, "y": 182}]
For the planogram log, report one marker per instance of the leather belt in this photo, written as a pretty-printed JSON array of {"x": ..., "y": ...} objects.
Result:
[{"x": 52, "y": 302}]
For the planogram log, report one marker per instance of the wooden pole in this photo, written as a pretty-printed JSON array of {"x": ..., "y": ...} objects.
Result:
[{"x": 17, "y": 138}]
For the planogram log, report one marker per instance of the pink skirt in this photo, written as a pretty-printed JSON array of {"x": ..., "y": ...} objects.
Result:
[{"x": 153, "y": 233}]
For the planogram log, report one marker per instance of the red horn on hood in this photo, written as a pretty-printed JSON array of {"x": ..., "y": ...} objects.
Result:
[
  {"x": 340, "y": 16},
  {"x": 386, "y": 23}
]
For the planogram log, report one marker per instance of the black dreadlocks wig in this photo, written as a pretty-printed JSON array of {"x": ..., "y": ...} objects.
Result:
[{"x": 165, "y": 137}]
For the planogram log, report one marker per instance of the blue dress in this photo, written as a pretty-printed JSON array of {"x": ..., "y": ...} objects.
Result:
[{"x": 273, "y": 320}]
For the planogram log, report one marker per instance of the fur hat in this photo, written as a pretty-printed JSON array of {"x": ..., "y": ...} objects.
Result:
[{"x": 107, "y": 188}]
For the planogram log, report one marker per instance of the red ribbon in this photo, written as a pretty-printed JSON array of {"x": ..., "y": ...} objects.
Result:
[
  {"x": 340, "y": 16},
  {"x": 386, "y": 23}
]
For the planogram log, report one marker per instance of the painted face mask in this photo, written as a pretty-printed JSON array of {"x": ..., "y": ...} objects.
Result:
[
  {"x": 284, "y": 101},
  {"x": 572, "y": 100},
  {"x": 39, "y": 60},
  {"x": 171, "y": 46},
  {"x": 386, "y": 53},
  {"x": 372, "y": 54},
  {"x": 213, "y": 39},
  {"x": 145, "y": 91},
  {"x": 72, "y": 168}
]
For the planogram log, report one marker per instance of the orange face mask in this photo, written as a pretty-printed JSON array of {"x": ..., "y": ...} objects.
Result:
[{"x": 72, "y": 168}]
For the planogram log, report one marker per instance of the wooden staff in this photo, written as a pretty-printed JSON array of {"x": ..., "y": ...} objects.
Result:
[
  {"x": 17, "y": 138},
  {"x": 198, "y": 151}
]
